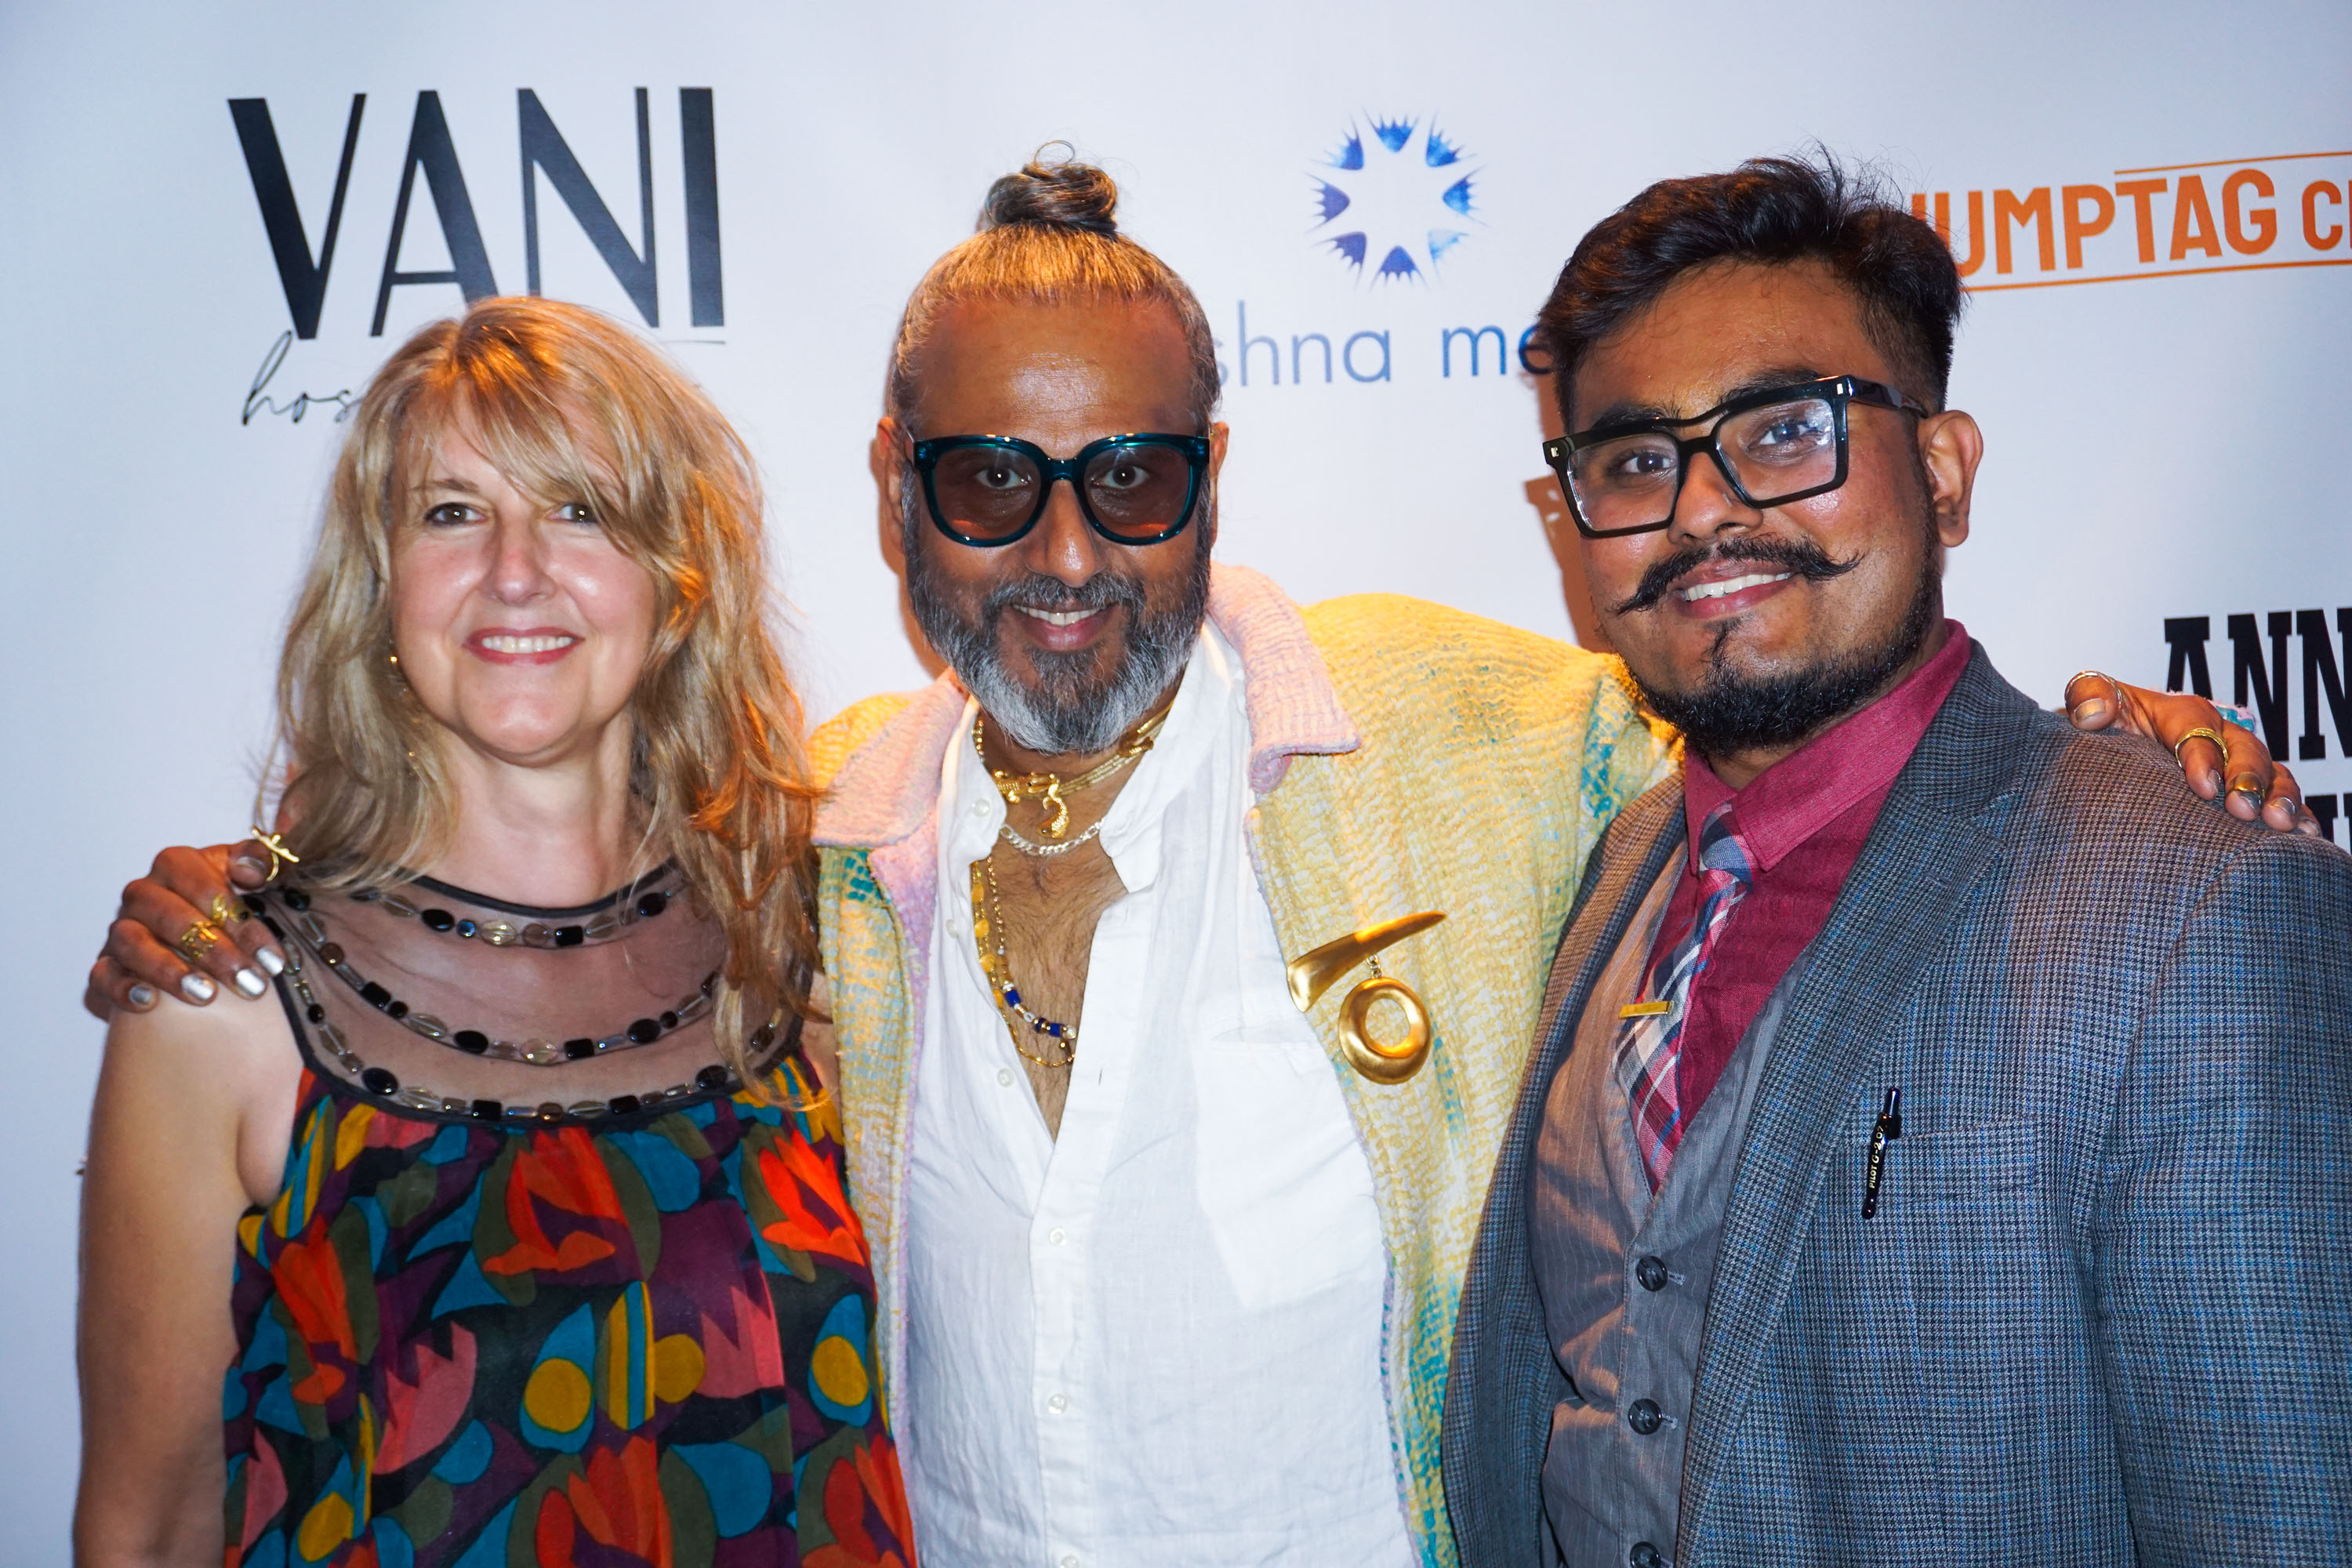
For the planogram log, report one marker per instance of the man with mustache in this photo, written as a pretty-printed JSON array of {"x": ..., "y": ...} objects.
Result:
[
  {"x": 1928, "y": 1154},
  {"x": 1168, "y": 1266}
]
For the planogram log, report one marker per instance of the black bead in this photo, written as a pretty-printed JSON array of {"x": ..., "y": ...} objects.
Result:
[
  {"x": 329, "y": 954},
  {"x": 550, "y": 1112},
  {"x": 487, "y": 1111},
  {"x": 376, "y": 1081},
  {"x": 296, "y": 898},
  {"x": 644, "y": 1031},
  {"x": 466, "y": 928},
  {"x": 669, "y": 1020},
  {"x": 397, "y": 1009},
  {"x": 570, "y": 936},
  {"x": 578, "y": 1049},
  {"x": 712, "y": 1076},
  {"x": 374, "y": 995},
  {"x": 763, "y": 1036},
  {"x": 254, "y": 906},
  {"x": 437, "y": 919},
  {"x": 316, "y": 1014},
  {"x": 622, "y": 1104},
  {"x": 473, "y": 1041},
  {"x": 652, "y": 904}
]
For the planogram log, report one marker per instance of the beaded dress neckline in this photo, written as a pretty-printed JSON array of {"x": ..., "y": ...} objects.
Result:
[{"x": 428, "y": 999}]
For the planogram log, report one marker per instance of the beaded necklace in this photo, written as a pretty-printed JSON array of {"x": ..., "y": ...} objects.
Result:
[
  {"x": 987, "y": 922},
  {"x": 304, "y": 933}
]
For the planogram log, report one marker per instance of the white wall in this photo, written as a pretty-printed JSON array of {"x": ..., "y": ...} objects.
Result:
[{"x": 2159, "y": 448}]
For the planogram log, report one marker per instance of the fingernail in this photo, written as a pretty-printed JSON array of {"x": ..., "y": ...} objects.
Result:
[
  {"x": 196, "y": 988},
  {"x": 249, "y": 982},
  {"x": 142, "y": 997},
  {"x": 248, "y": 862},
  {"x": 2247, "y": 784},
  {"x": 268, "y": 958},
  {"x": 2092, "y": 712}
]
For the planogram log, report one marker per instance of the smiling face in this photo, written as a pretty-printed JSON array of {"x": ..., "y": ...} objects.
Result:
[
  {"x": 1065, "y": 637},
  {"x": 521, "y": 626},
  {"x": 1752, "y": 629}
]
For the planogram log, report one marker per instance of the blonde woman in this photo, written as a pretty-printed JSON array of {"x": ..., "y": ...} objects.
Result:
[{"x": 515, "y": 1214}]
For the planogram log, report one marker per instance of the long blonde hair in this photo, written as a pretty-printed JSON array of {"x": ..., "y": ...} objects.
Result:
[{"x": 569, "y": 406}]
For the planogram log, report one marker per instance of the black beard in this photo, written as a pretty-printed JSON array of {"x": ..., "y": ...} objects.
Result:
[
  {"x": 1070, "y": 710},
  {"x": 1727, "y": 712}
]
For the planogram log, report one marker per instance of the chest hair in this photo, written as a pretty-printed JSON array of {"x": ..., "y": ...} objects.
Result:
[{"x": 1049, "y": 910}]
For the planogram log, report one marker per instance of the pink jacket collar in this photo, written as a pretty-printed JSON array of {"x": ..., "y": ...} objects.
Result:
[{"x": 888, "y": 788}]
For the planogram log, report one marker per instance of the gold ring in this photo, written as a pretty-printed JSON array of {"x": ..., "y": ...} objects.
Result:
[
  {"x": 2201, "y": 733},
  {"x": 223, "y": 915},
  {"x": 199, "y": 940},
  {"x": 276, "y": 844}
]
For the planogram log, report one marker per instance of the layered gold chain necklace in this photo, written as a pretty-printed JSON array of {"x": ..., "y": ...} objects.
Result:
[{"x": 987, "y": 909}]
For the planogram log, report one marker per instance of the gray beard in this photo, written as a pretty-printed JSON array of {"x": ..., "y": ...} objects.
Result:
[{"x": 1070, "y": 711}]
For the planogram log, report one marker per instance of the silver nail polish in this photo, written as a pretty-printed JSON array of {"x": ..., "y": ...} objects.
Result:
[
  {"x": 142, "y": 997},
  {"x": 249, "y": 982},
  {"x": 268, "y": 958},
  {"x": 196, "y": 988}
]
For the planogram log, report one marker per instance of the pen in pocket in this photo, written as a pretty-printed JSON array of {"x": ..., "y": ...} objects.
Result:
[{"x": 1885, "y": 1131}]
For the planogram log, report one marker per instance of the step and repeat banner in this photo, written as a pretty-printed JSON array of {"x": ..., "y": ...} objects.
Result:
[{"x": 221, "y": 218}]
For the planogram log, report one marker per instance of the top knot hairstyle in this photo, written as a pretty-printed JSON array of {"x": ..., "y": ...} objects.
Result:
[
  {"x": 1772, "y": 211},
  {"x": 1049, "y": 234}
]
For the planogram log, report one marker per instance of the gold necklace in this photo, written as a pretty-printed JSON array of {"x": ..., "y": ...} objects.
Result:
[
  {"x": 987, "y": 922},
  {"x": 1047, "y": 788}
]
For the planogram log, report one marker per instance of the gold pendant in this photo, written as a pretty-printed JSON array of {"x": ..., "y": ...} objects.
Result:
[{"x": 1313, "y": 973}]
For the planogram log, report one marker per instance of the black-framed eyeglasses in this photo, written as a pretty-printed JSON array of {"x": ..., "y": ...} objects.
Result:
[
  {"x": 1775, "y": 445},
  {"x": 991, "y": 490}
]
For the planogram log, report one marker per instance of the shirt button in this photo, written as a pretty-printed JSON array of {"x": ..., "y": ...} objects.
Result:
[
  {"x": 1058, "y": 1404},
  {"x": 1642, "y": 1416},
  {"x": 1005, "y": 1077},
  {"x": 1651, "y": 1273},
  {"x": 1070, "y": 1561},
  {"x": 980, "y": 808},
  {"x": 1057, "y": 1236},
  {"x": 1646, "y": 1555}
]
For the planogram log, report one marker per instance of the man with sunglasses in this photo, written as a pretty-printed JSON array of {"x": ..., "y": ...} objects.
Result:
[
  {"x": 1927, "y": 1152},
  {"x": 1168, "y": 1221}
]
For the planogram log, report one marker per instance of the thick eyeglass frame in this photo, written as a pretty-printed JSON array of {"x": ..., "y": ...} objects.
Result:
[
  {"x": 1836, "y": 391},
  {"x": 1054, "y": 470}
]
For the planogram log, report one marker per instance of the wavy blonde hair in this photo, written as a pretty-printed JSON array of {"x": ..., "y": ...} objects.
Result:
[{"x": 569, "y": 407}]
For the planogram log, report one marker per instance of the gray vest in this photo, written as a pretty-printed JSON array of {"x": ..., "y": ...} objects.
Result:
[{"x": 1624, "y": 1277}]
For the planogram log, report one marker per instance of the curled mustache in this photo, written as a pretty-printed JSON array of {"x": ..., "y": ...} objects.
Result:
[{"x": 1798, "y": 557}]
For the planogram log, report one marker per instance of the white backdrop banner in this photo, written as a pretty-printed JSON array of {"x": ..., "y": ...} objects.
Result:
[{"x": 219, "y": 219}]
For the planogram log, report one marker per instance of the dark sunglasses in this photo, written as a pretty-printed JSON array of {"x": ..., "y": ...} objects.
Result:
[{"x": 991, "y": 490}]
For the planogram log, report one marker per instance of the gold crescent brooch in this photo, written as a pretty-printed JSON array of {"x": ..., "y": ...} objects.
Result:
[{"x": 1313, "y": 973}]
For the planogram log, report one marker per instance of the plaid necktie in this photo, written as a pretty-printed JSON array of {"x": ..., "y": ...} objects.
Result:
[{"x": 1649, "y": 1044}]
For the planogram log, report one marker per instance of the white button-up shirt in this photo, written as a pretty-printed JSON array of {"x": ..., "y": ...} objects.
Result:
[{"x": 1156, "y": 1339}]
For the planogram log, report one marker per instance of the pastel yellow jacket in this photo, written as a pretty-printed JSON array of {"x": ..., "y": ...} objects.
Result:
[{"x": 1406, "y": 757}]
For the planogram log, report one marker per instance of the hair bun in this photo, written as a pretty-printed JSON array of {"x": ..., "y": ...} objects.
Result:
[{"x": 1064, "y": 194}]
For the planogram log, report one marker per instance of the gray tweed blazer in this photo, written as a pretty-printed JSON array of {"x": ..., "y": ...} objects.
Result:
[{"x": 2104, "y": 1314}]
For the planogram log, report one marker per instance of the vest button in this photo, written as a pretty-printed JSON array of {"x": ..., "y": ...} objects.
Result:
[
  {"x": 1646, "y": 1555},
  {"x": 1651, "y": 1273},
  {"x": 1642, "y": 1416}
]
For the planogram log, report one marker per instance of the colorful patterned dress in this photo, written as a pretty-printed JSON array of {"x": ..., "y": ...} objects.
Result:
[{"x": 490, "y": 1336}]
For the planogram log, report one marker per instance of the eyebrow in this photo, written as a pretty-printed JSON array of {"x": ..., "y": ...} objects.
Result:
[{"x": 1619, "y": 415}]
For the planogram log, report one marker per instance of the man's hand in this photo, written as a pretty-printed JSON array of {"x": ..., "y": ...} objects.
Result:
[
  {"x": 2260, "y": 787},
  {"x": 141, "y": 958}
]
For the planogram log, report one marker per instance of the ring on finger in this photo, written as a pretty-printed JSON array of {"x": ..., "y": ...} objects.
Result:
[
  {"x": 2114, "y": 686},
  {"x": 223, "y": 915},
  {"x": 198, "y": 940},
  {"x": 2202, "y": 732}
]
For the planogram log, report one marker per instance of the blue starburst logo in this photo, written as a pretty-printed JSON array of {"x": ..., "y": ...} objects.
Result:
[{"x": 1393, "y": 197}]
